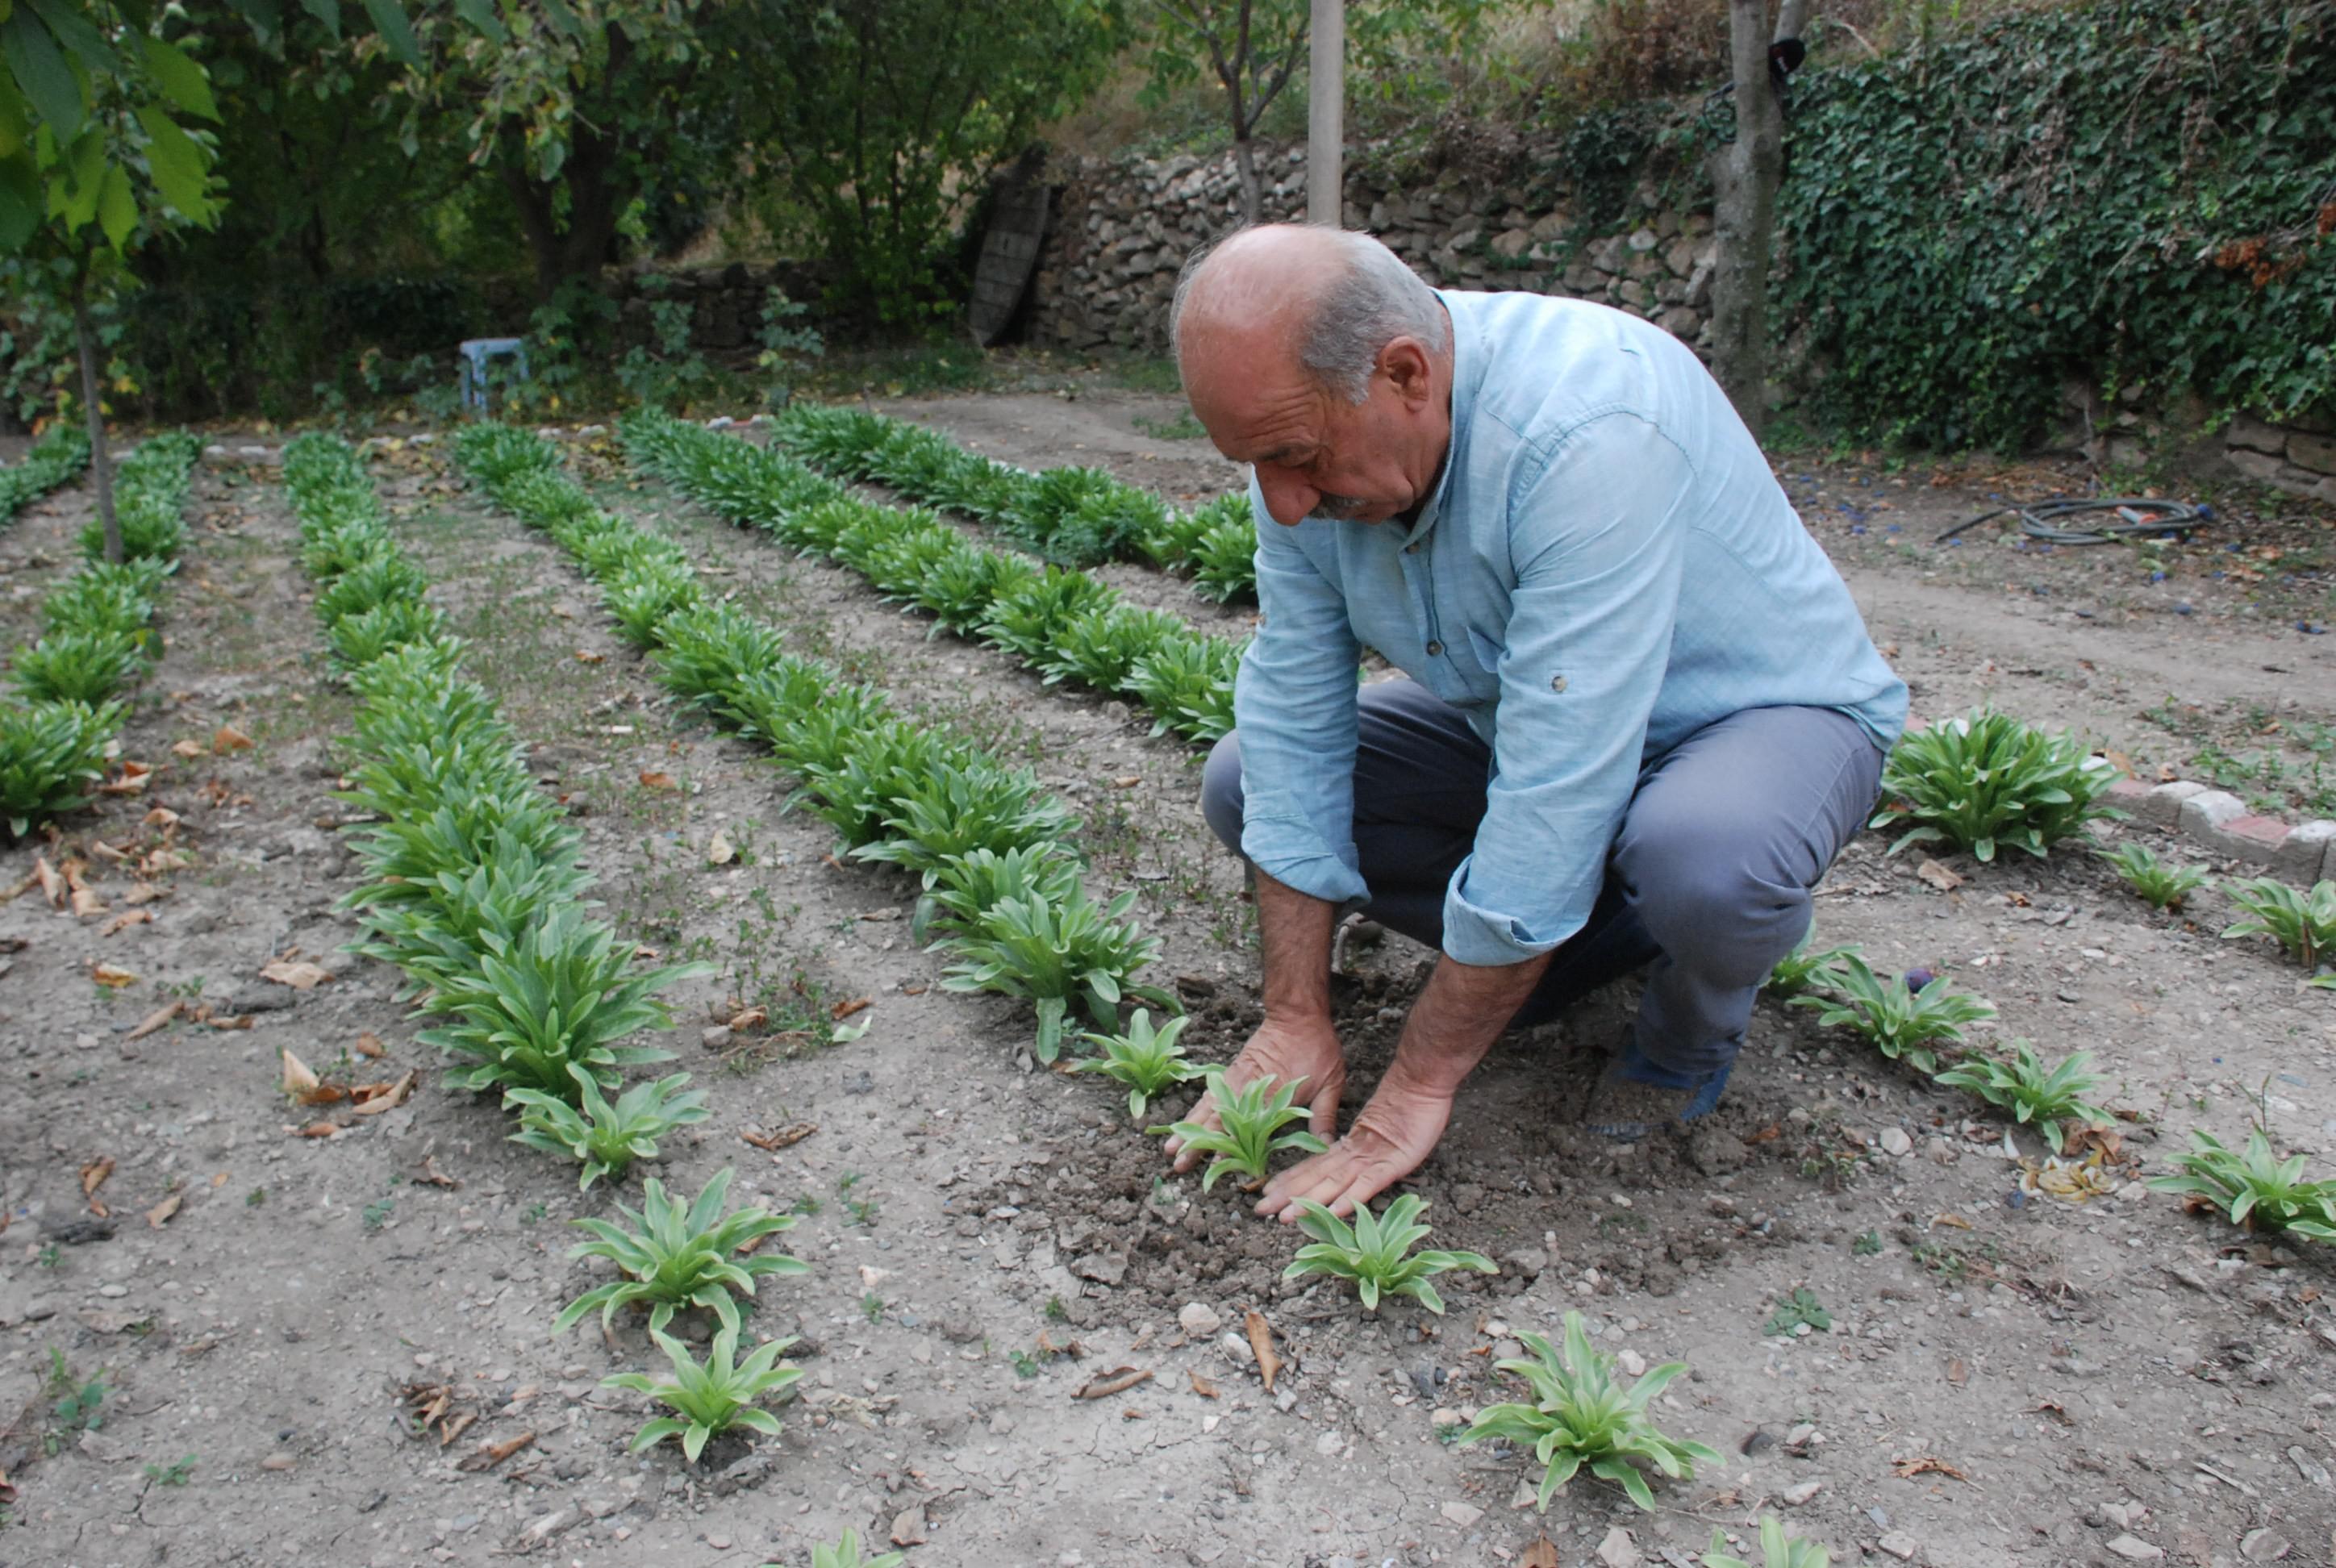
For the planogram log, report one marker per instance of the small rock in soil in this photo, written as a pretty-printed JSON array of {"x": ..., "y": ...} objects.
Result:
[
  {"x": 1198, "y": 1320},
  {"x": 1802, "y": 1492},
  {"x": 1716, "y": 1151},
  {"x": 2263, "y": 1547},
  {"x": 1900, "y": 1545},
  {"x": 1895, "y": 1143},
  {"x": 2134, "y": 1549},
  {"x": 1462, "y": 1516},
  {"x": 1619, "y": 1551}
]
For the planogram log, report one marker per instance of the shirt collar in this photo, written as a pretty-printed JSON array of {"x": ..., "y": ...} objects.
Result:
[{"x": 1467, "y": 372}]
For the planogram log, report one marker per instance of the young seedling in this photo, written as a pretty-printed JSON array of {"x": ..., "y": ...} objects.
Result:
[
  {"x": 845, "y": 1553},
  {"x": 2036, "y": 1095},
  {"x": 1251, "y": 1117},
  {"x": 175, "y": 1474},
  {"x": 1148, "y": 1060},
  {"x": 1776, "y": 1550},
  {"x": 1986, "y": 780},
  {"x": 673, "y": 1256},
  {"x": 1057, "y": 952},
  {"x": 80, "y": 1404},
  {"x": 1801, "y": 1307},
  {"x": 606, "y": 1138},
  {"x": 2304, "y": 924},
  {"x": 1799, "y": 969},
  {"x": 1372, "y": 1252},
  {"x": 1901, "y": 1022},
  {"x": 2162, "y": 885},
  {"x": 1580, "y": 1417},
  {"x": 709, "y": 1399},
  {"x": 49, "y": 753},
  {"x": 2254, "y": 1189}
]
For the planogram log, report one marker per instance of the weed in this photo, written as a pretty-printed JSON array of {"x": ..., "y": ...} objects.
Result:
[
  {"x": 1867, "y": 1244},
  {"x": 174, "y": 1474},
  {"x": 845, "y": 1553},
  {"x": 378, "y": 1213},
  {"x": 2161, "y": 885},
  {"x": 1801, "y": 1307},
  {"x": 871, "y": 1307},
  {"x": 1026, "y": 1365}
]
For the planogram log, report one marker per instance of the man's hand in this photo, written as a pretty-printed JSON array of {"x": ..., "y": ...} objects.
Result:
[
  {"x": 1393, "y": 1136},
  {"x": 1306, "y": 1048}
]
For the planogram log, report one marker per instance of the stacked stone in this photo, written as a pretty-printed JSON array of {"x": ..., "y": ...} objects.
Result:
[{"x": 726, "y": 303}]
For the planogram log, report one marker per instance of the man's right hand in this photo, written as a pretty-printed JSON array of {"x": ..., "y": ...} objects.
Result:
[{"x": 1286, "y": 1051}]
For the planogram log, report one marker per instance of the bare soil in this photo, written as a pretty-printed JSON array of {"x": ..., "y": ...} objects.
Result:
[{"x": 2009, "y": 1378}]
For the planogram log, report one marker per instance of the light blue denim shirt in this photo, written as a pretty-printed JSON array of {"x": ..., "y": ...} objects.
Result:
[{"x": 1606, "y": 567}]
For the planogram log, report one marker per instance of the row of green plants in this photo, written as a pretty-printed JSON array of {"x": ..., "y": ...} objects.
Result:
[
  {"x": 97, "y": 639},
  {"x": 474, "y": 893},
  {"x": 1056, "y": 619},
  {"x": 53, "y": 459},
  {"x": 1001, "y": 880},
  {"x": 1076, "y": 516}
]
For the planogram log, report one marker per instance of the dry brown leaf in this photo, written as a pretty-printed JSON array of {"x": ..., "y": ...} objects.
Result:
[
  {"x": 786, "y": 1137},
  {"x": 219, "y": 1181},
  {"x": 1938, "y": 876},
  {"x": 372, "y": 1099},
  {"x": 1957, "y": 1221},
  {"x": 159, "y": 1214},
  {"x": 93, "y": 1174},
  {"x": 86, "y": 903},
  {"x": 369, "y": 1045},
  {"x": 1540, "y": 1554},
  {"x": 190, "y": 749},
  {"x": 1261, "y": 1340},
  {"x": 719, "y": 851},
  {"x": 110, "y": 977},
  {"x": 298, "y": 973},
  {"x": 238, "y": 1023},
  {"x": 843, "y": 1010},
  {"x": 1118, "y": 1380},
  {"x": 1957, "y": 1371},
  {"x": 125, "y": 920},
  {"x": 1203, "y": 1386},
  {"x": 1909, "y": 1468},
  {"x": 1128, "y": 783},
  {"x": 155, "y": 1020},
  {"x": 430, "y": 1175},
  {"x": 134, "y": 778},
  {"x": 53, "y": 886},
  {"x": 303, "y": 1087},
  {"x": 145, "y": 893},
  {"x": 490, "y": 1455},
  {"x": 318, "y": 1130},
  {"x": 659, "y": 781},
  {"x": 162, "y": 817},
  {"x": 750, "y": 1018},
  {"x": 1050, "y": 1348},
  {"x": 106, "y": 852},
  {"x": 229, "y": 738},
  {"x": 585, "y": 656}
]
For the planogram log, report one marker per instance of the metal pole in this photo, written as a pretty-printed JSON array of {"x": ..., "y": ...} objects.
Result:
[{"x": 1325, "y": 115}]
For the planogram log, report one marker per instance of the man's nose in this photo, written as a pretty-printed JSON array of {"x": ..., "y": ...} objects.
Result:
[{"x": 1289, "y": 500}]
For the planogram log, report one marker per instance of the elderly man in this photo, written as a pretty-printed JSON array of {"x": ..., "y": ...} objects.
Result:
[{"x": 1642, "y": 716}]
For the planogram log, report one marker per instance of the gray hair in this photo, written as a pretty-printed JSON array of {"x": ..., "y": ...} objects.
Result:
[{"x": 1375, "y": 299}]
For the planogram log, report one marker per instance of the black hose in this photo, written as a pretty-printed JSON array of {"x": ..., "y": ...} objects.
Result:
[{"x": 2136, "y": 518}]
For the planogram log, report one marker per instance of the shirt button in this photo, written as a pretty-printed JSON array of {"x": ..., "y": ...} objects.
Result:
[
  {"x": 1412, "y": 549},
  {"x": 1557, "y": 683},
  {"x": 1434, "y": 649}
]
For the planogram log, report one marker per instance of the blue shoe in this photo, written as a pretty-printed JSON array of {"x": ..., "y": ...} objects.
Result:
[{"x": 1637, "y": 1094}]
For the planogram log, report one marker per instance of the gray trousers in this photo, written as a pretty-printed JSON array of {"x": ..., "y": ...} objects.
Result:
[{"x": 1707, "y": 881}]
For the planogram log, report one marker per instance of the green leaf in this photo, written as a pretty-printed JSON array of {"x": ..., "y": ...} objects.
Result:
[
  {"x": 117, "y": 207},
  {"x": 480, "y": 15},
  {"x": 182, "y": 78},
  {"x": 15, "y": 130},
  {"x": 77, "y": 36},
  {"x": 329, "y": 13},
  {"x": 41, "y": 74},
  {"x": 177, "y": 163},
  {"x": 20, "y": 200},
  {"x": 397, "y": 33}
]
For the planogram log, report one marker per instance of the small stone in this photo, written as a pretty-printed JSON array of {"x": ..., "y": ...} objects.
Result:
[
  {"x": 114, "y": 1291},
  {"x": 1329, "y": 1443},
  {"x": 1528, "y": 1261},
  {"x": 1900, "y": 1545},
  {"x": 719, "y": 1542},
  {"x": 1198, "y": 1320},
  {"x": 1619, "y": 1551},
  {"x": 549, "y": 1526},
  {"x": 1801, "y": 1492},
  {"x": 716, "y": 1038},
  {"x": 1462, "y": 1516},
  {"x": 1237, "y": 1349},
  {"x": 1441, "y": 1419},
  {"x": 909, "y": 1526},
  {"x": 1895, "y": 1143},
  {"x": 2134, "y": 1549},
  {"x": 2263, "y": 1547},
  {"x": 1633, "y": 1364},
  {"x": 276, "y": 1462}
]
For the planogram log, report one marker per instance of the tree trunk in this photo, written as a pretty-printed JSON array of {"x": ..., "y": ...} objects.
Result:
[
  {"x": 1245, "y": 165},
  {"x": 85, "y": 340},
  {"x": 1326, "y": 107},
  {"x": 579, "y": 248},
  {"x": 1745, "y": 174}
]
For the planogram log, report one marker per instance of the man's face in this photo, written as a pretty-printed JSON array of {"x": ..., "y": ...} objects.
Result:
[{"x": 1315, "y": 453}]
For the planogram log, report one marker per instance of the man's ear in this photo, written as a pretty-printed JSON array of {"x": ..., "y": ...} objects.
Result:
[{"x": 1405, "y": 363}]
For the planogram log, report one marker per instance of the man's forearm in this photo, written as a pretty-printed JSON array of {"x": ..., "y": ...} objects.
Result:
[
  {"x": 1457, "y": 1017},
  {"x": 1294, "y": 929}
]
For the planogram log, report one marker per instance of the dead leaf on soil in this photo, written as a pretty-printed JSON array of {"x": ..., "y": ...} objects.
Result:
[
  {"x": 190, "y": 749},
  {"x": 1203, "y": 1386},
  {"x": 719, "y": 851},
  {"x": 489, "y": 1455},
  {"x": 748, "y": 1018},
  {"x": 326, "y": 1129},
  {"x": 1957, "y": 1221},
  {"x": 159, "y": 1214},
  {"x": 843, "y": 1010},
  {"x": 298, "y": 973},
  {"x": 219, "y": 1181},
  {"x": 1540, "y": 1554},
  {"x": 585, "y": 656},
  {"x": 786, "y": 1137},
  {"x": 1261, "y": 1340},
  {"x": 1909, "y": 1468},
  {"x": 659, "y": 781},
  {"x": 227, "y": 738},
  {"x": 125, "y": 920},
  {"x": 85, "y": 901},
  {"x": 92, "y": 1177},
  {"x": 134, "y": 778},
  {"x": 145, "y": 893},
  {"x": 53, "y": 886},
  {"x": 430, "y": 1175},
  {"x": 372, "y": 1099},
  {"x": 203, "y": 1016},
  {"x": 428, "y": 1405},
  {"x": 1957, "y": 1372},
  {"x": 369, "y": 1045},
  {"x": 1118, "y": 1380},
  {"x": 1052, "y": 1350},
  {"x": 1938, "y": 876},
  {"x": 302, "y": 1086},
  {"x": 162, "y": 817},
  {"x": 156, "y": 1019}
]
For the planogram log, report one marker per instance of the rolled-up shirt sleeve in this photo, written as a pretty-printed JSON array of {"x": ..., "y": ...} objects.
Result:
[
  {"x": 1294, "y": 704},
  {"x": 1597, "y": 552}
]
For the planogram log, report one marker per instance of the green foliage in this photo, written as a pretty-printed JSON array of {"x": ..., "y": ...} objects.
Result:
[
  {"x": 55, "y": 458},
  {"x": 175, "y": 1474},
  {"x": 2034, "y": 1095},
  {"x": 1799, "y": 969},
  {"x": 1146, "y": 1060},
  {"x": 1985, "y": 780},
  {"x": 958, "y": 807},
  {"x": 362, "y": 638},
  {"x": 369, "y": 583},
  {"x": 845, "y": 1553},
  {"x": 1188, "y": 684},
  {"x": 605, "y": 1138},
  {"x": 150, "y": 492},
  {"x": 1102, "y": 648},
  {"x": 1224, "y": 560},
  {"x": 708, "y": 1399},
  {"x": 1027, "y": 619},
  {"x": 82, "y": 667},
  {"x": 79, "y": 1402},
  {"x": 2163, "y": 886},
  {"x": 1899, "y": 1022},
  {"x": 48, "y": 752},
  {"x": 1776, "y": 1550},
  {"x": 1249, "y": 1134},
  {"x": 672, "y": 1255},
  {"x": 1967, "y": 225},
  {"x": 2253, "y": 1188},
  {"x": 1800, "y": 1307},
  {"x": 1057, "y": 952},
  {"x": 1580, "y": 1417},
  {"x": 2303, "y": 923},
  {"x": 1376, "y": 1252}
]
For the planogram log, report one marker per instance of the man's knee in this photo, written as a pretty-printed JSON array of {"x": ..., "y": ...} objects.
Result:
[
  {"x": 1705, "y": 900},
  {"x": 1221, "y": 792}
]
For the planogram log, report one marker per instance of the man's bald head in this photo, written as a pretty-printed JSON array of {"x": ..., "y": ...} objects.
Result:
[{"x": 1328, "y": 299}]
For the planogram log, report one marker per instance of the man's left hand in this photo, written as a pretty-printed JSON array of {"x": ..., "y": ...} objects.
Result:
[{"x": 1392, "y": 1138}]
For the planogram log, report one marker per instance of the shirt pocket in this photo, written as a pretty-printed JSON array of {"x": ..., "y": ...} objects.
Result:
[{"x": 1488, "y": 651}]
